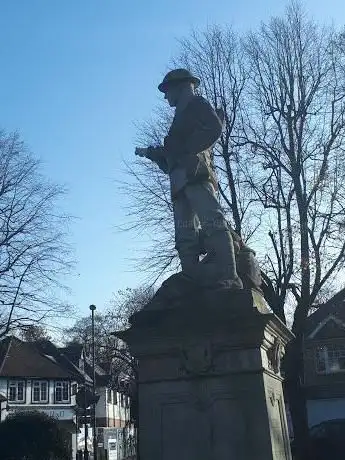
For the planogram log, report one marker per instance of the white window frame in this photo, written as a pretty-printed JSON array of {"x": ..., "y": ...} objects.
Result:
[
  {"x": 330, "y": 356},
  {"x": 39, "y": 384},
  {"x": 15, "y": 384},
  {"x": 60, "y": 384}
]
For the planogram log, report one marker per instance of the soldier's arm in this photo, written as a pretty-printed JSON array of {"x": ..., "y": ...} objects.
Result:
[
  {"x": 156, "y": 154},
  {"x": 208, "y": 127}
]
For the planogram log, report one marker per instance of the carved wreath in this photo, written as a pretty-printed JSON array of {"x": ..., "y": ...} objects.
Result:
[
  {"x": 274, "y": 355},
  {"x": 197, "y": 359}
]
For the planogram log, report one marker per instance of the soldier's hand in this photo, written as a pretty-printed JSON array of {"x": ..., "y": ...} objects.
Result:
[{"x": 141, "y": 152}]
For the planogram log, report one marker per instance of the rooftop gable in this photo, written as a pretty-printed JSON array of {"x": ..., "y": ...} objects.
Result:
[
  {"x": 24, "y": 359},
  {"x": 58, "y": 355},
  {"x": 331, "y": 326},
  {"x": 73, "y": 352},
  {"x": 321, "y": 316}
]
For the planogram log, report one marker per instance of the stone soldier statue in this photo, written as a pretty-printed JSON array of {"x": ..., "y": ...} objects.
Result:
[{"x": 186, "y": 157}]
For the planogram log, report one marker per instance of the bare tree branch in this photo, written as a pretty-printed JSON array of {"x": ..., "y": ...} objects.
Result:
[{"x": 34, "y": 253}]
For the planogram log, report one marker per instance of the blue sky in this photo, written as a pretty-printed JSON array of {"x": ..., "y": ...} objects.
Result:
[{"x": 75, "y": 76}]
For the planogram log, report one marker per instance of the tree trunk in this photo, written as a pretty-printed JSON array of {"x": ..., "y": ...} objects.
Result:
[{"x": 293, "y": 366}]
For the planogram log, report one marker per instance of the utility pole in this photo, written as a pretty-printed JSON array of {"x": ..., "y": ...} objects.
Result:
[
  {"x": 86, "y": 431},
  {"x": 93, "y": 308},
  {"x": 86, "y": 434}
]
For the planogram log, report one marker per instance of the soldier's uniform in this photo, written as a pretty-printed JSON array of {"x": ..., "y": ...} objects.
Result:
[{"x": 185, "y": 156}]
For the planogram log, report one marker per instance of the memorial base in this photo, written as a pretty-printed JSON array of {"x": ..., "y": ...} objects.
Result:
[{"x": 210, "y": 386}]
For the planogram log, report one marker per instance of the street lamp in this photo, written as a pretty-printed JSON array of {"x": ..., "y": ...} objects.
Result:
[{"x": 93, "y": 308}]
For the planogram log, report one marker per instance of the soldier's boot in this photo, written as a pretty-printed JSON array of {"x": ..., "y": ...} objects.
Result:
[
  {"x": 218, "y": 268},
  {"x": 223, "y": 259}
]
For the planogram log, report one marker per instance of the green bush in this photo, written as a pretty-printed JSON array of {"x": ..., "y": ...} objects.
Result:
[{"x": 33, "y": 436}]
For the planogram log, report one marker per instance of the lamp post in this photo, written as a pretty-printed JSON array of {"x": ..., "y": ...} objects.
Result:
[
  {"x": 86, "y": 430},
  {"x": 93, "y": 308}
]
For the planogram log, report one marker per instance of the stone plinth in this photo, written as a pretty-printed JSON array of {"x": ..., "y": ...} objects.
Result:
[{"x": 210, "y": 386}]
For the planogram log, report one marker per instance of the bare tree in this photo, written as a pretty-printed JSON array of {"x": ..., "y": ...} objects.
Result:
[
  {"x": 149, "y": 212},
  {"x": 294, "y": 126},
  {"x": 81, "y": 333},
  {"x": 108, "y": 348},
  {"x": 33, "y": 250},
  {"x": 128, "y": 302},
  {"x": 34, "y": 333}
]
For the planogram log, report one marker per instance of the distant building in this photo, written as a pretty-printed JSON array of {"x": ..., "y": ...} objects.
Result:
[
  {"x": 40, "y": 376},
  {"x": 31, "y": 378},
  {"x": 113, "y": 408},
  {"x": 324, "y": 363}
]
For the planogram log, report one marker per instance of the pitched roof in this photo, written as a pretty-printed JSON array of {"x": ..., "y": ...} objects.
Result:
[
  {"x": 73, "y": 352},
  {"x": 42, "y": 359},
  {"x": 320, "y": 317},
  {"x": 24, "y": 359},
  {"x": 102, "y": 377},
  {"x": 48, "y": 348}
]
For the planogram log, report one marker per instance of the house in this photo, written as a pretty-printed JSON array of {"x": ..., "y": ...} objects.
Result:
[
  {"x": 112, "y": 409},
  {"x": 40, "y": 376},
  {"x": 324, "y": 363},
  {"x": 32, "y": 379}
]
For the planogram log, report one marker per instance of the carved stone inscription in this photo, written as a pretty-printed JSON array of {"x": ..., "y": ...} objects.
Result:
[
  {"x": 205, "y": 427},
  {"x": 278, "y": 434}
]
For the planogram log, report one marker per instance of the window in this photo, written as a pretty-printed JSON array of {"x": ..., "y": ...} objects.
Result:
[
  {"x": 40, "y": 391},
  {"x": 109, "y": 400},
  {"x": 330, "y": 359},
  {"x": 115, "y": 397},
  {"x": 122, "y": 400},
  {"x": 16, "y": 391},
  {"x": 62, "y": 392}
]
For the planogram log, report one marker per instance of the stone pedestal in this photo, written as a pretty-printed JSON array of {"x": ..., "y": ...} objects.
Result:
[{"x": 210, "y": 386}]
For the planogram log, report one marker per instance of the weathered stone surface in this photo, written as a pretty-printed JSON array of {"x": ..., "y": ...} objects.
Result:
[
  {"x": 179, "y": 291},
  {"x": 209, "y": 379}
]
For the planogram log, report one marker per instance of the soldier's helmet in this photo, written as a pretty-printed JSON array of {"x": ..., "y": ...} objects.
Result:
[{"x": 177, "y": 76}]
